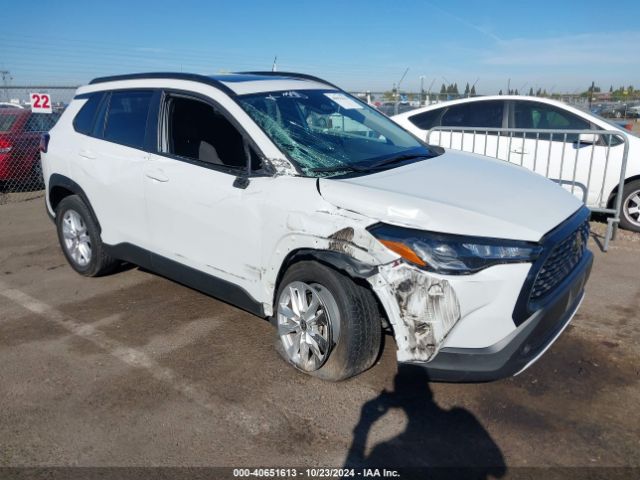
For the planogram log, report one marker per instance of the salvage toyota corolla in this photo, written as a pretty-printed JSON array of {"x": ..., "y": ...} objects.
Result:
[{"x": 286, "y": 196}]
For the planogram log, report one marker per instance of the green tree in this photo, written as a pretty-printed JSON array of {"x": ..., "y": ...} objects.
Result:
[
  {"x": 443, "y": 89},
  {"x": 466, "y": 89},
  {"x": 473, "y": 90},
  {"x": 500, "y": 92},
  {"x": 531, "y": 92}
]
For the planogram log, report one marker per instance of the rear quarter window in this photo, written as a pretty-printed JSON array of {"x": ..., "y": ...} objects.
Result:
[
  {"x": 427, "y": 120},
  {"x": 83, "y": 122}
]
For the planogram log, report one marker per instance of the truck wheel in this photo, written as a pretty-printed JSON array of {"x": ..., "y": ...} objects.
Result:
[
  {"x": 328, "y": 325},
  {"x": 80, "y": 239},
  {"x": 630, "y": 218}
]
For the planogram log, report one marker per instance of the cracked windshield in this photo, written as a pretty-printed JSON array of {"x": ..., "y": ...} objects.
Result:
[{"x": 329, "y": 133}]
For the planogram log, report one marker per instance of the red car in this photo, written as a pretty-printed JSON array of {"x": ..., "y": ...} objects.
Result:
[{"x": 20, "y": 132}]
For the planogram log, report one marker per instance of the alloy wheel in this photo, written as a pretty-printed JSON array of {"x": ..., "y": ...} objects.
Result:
[
  {"x": 631, "y": 208},
  {"x": 308, "y": 324},
  {"x": 77, "y": 242}
]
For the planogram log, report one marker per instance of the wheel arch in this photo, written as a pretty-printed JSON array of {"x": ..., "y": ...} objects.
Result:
[
  {"x": 614, "y": 192},
  {"x": 61, "y": 187},
  {"x": 355, "y": 269}
]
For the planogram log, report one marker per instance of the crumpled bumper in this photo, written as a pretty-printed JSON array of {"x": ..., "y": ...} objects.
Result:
[{"x": 523, "y": 346}]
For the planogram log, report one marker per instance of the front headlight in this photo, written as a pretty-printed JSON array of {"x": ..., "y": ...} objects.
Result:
[{"x": 453, "y": 254}]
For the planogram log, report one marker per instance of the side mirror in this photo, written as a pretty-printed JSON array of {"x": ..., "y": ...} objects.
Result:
[{"x": 589, "y": 138}]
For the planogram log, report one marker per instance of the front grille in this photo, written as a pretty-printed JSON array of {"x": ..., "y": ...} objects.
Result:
[{"x": 563, "y": 259}]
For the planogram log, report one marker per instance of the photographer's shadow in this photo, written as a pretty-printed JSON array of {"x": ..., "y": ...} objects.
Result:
[{"x": 434, "y": 437}]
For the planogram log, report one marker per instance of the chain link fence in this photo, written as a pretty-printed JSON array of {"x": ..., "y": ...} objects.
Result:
[{"x": 20, "y": 132}]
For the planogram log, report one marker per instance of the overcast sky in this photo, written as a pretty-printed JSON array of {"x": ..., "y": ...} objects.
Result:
[{"x": 560, "y": 45}]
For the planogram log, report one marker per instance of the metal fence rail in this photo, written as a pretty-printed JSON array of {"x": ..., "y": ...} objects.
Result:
[{"x": 590, "y": 164}]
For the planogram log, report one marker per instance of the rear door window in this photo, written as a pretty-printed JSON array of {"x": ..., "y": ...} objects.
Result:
[
  {"x": 127, "y": 117},
  {"x": 482, "y": 114}
]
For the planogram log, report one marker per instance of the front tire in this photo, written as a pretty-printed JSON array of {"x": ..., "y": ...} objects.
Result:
[
  {"x": 80, "y": 240},
  {"x": 328, "y": 325},
  {"x": 630, "y": 215}
]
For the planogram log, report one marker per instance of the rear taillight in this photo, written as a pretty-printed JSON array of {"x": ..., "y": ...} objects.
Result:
[
  {"x": 44, "y": 142},
  {"x": 5, "y": 145}
]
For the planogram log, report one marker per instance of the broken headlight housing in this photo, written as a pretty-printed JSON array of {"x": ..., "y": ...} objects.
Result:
[{"x": 453, "y": 254}]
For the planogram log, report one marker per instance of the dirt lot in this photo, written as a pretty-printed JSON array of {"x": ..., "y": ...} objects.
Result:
[{"x": 133, "y": 369}]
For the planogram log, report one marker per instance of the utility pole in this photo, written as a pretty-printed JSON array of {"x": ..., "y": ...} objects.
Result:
[
  {"x": 274, "y": 67},
  {"x": 421, "y": 90},
  {"x": 591, "y": 92},
  {"x": 395, "y": 108},
  {"x": 509, "y": 87}
]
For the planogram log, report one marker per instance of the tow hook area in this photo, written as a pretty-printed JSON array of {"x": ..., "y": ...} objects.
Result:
[{"x": 422, "y": 308}]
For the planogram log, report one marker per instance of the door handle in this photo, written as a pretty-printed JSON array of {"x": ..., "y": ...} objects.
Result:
[
  {"x": 520, "y": 151},
  {"x": 84, "y": 153},
  {"x": 157, "y": 175}
]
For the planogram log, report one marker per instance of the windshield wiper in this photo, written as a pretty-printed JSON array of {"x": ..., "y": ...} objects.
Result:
[
  {"x": 371, "y": 166},
  {"x": 339, "y": 168},
  {"x": 396, "y": 159}
]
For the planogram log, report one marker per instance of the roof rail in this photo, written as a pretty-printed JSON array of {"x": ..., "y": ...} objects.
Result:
[
  {"x": 292, "y": 75},
  {"x": 170, "y": 75}
]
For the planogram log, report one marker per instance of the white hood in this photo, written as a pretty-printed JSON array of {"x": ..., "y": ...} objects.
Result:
[{"x": 457, "y": 193}]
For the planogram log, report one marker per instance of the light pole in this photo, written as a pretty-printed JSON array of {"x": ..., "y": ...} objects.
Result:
[{"x": 421, "y": 89}]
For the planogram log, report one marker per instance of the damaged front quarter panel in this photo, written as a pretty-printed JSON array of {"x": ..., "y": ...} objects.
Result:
[{"x": 422, "y": 308}]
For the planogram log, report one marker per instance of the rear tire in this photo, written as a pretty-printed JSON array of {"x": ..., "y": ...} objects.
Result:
[
  {"x": 348, "y": 325},
  {"x": 80, "y": 240},
  {"x": 630, "y": 214}
]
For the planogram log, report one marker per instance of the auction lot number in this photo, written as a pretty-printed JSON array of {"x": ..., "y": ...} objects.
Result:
[{"x": 40, "y": 103}]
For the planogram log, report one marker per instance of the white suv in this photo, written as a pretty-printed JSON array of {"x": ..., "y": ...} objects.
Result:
[{"x": 285, "y": 196}]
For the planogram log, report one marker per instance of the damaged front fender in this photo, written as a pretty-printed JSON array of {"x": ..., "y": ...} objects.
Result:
[{"x": 421, "y": 307}]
